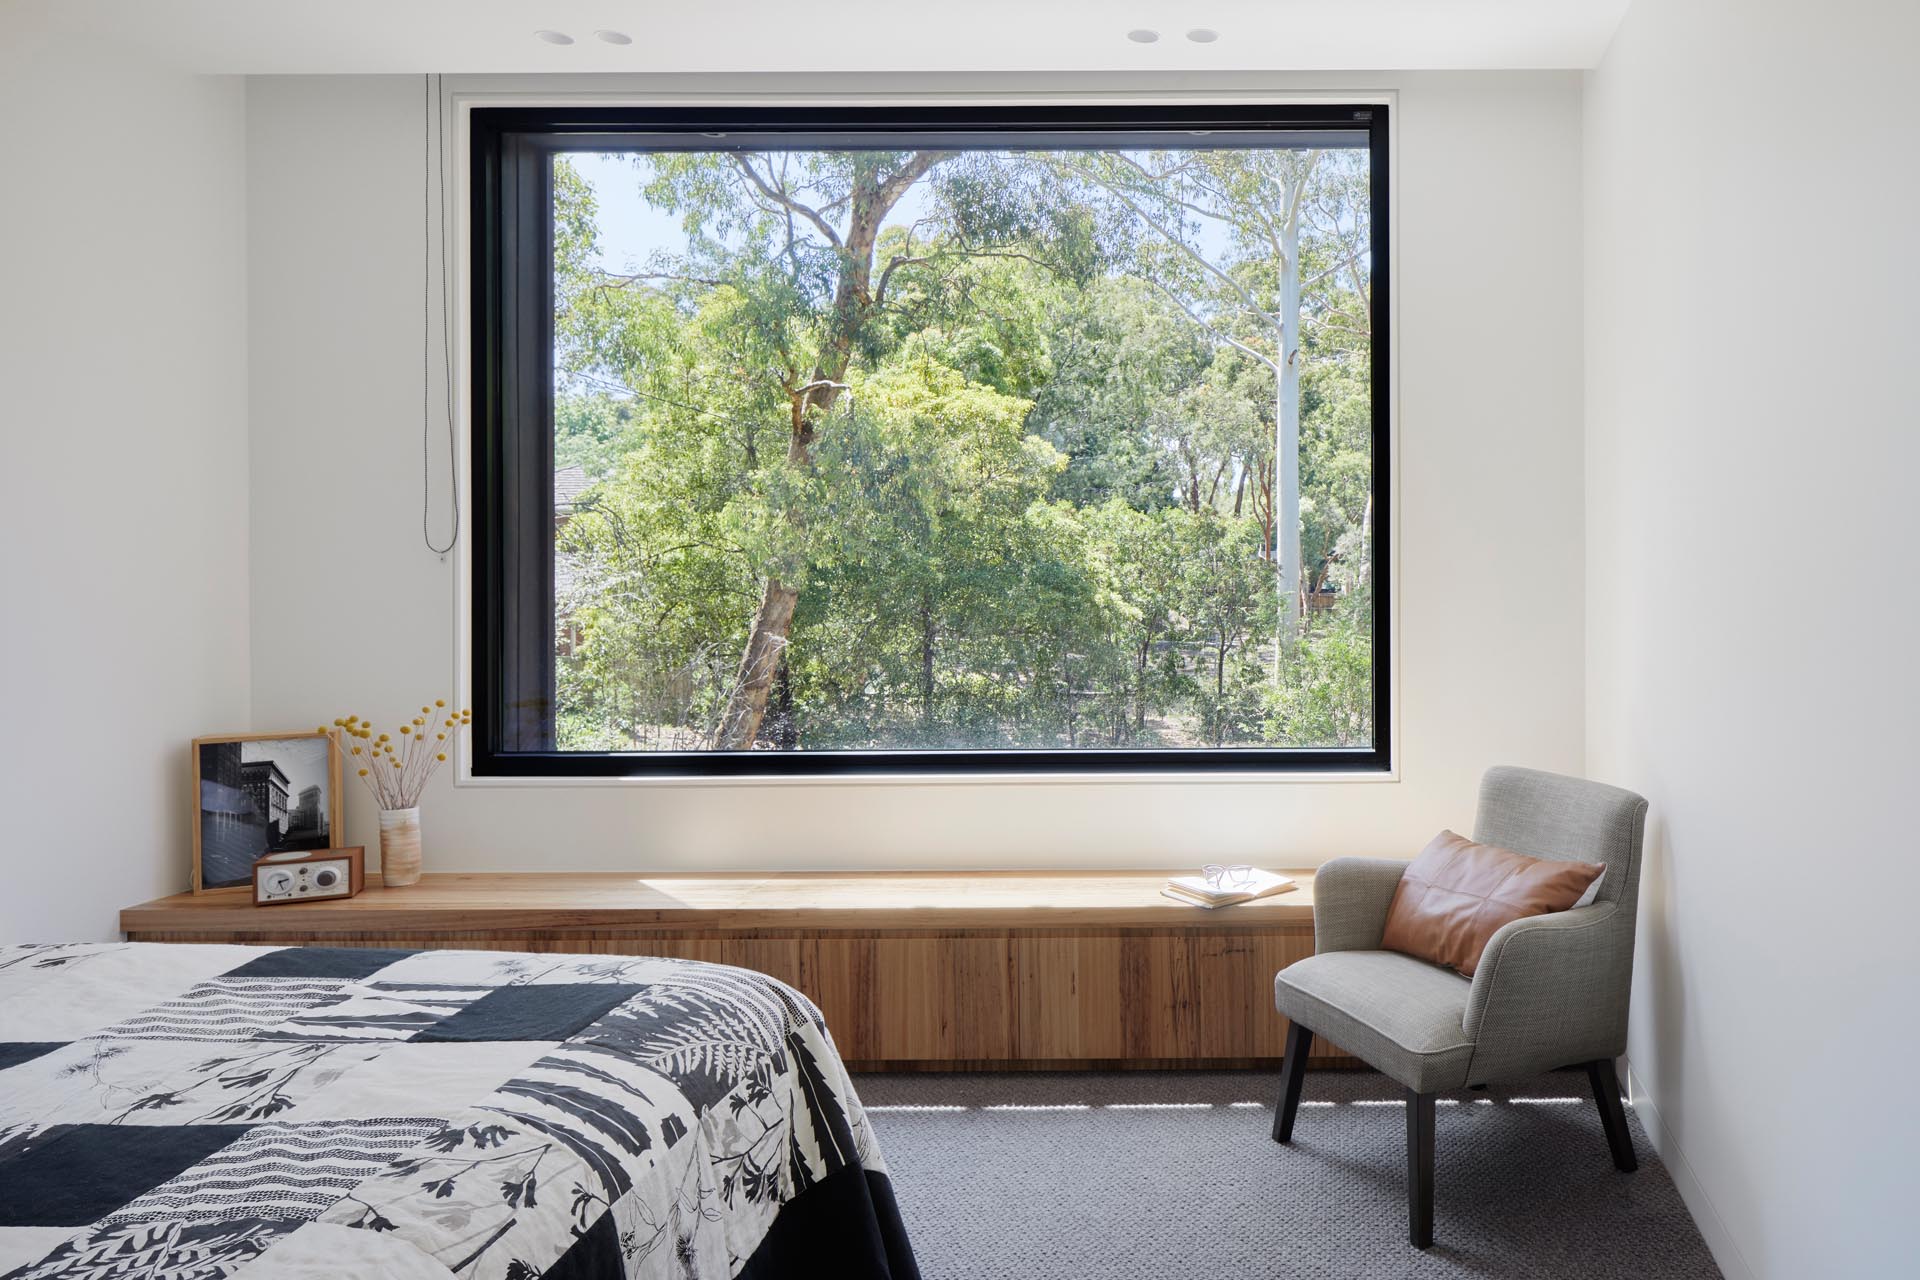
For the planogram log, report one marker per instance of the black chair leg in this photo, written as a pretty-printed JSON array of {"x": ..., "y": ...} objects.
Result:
[
  {"x": 1293, "y": 1073},
  {"x": 1420, "y": 1168},
  {"x": 1606, "y": 1094}
]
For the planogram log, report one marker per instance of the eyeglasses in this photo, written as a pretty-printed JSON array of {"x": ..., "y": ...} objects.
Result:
[{"x": 1221, "y": 875}]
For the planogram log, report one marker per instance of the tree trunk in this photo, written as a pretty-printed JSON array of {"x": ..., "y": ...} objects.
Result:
[
  {"x": 766, "y": 644},
  {"x": 1286, "y": 445},
  {"x": 1140, "y": 685},
  {"x": 1366, "y": 544},
  {"x": 766, "y": 647},
  {"x": 1263, "y": 508},
  {"x": 868, "y": 202},
  {"x": 1072, "y": 704},
  {"x": 927, "y": 636},
  {"x": 780, "y": 728},
  {"x": 1220, "y": 690}
]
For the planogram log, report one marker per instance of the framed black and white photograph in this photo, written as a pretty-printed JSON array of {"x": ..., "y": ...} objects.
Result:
[{"x": 257, "y": 794}]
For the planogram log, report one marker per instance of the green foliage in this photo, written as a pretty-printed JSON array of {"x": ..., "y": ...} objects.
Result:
[
  {"x": 1121, "y": 362},
  {"x": 1328, "y": 699},
  {"x": 1035, "y": 509},
  {"x": 591, "y": 432}
]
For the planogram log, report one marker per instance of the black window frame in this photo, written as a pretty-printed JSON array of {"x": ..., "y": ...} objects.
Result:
[{"x": 511, "y": 353}]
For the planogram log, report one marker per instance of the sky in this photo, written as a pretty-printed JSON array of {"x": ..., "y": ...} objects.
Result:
[{"x": 631, "y": 229}]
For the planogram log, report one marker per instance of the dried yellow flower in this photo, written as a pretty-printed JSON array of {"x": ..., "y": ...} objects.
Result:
[
  {"x": 363, "y": 773},
  {"x": 439, "y": 702},
  {"x": 441, "y": 756}
]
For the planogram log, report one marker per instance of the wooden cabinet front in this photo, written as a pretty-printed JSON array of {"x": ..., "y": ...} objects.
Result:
[{"x": 930, "y": 971}]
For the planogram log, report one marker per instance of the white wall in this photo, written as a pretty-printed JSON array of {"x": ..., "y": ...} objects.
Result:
[
  {"x": 1751, "y": 328},
  {"x": 123, "y": 474},
  {"x": 1490, "y": 535},
  {"x": 203, "y": 530}
]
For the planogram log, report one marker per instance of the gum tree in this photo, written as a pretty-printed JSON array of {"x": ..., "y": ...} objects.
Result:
[{"x": 1218, "y": 233}]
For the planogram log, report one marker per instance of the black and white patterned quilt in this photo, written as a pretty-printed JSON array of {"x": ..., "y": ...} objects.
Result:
[{"x": 179, "y": 1112}]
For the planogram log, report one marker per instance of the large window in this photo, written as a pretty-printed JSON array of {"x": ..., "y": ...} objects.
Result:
[{"x": 826, "y": 440}]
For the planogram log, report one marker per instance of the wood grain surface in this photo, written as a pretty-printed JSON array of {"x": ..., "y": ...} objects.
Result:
[{"x": 930, "y": 970}]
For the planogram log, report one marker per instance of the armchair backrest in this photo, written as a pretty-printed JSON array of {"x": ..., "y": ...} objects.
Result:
[
  {"x": 1546, "y": 815},
  {"x": 1571, "y": 1006}
]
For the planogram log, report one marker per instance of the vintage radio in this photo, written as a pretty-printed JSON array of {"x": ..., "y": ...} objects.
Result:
[{"x": 304, "y": 875}]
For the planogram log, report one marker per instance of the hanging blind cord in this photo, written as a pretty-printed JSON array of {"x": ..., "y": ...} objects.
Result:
[{"x": 427, "y": 177}]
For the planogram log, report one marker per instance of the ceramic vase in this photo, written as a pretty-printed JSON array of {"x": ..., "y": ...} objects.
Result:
[{"x": 399, "y": 847}]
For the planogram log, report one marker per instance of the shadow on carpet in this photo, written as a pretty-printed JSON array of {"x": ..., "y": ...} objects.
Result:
[{"x": 1174, "y": 1176}]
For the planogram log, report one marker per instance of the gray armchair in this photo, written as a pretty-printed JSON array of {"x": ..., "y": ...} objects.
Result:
[{"x": 1549, "y": 991}]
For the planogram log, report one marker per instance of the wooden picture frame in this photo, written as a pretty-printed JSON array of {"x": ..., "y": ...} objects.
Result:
[{"x": 252, "y": 796}]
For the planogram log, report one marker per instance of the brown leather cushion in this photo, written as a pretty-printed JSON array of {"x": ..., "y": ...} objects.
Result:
[{"x": 1457, "y": 894}]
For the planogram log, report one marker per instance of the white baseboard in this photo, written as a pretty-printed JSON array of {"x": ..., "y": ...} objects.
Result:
[{"x": 1713, "y": 1228}]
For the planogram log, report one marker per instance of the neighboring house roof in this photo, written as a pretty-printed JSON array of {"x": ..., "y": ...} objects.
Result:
[{"x": 568, "y": 484}]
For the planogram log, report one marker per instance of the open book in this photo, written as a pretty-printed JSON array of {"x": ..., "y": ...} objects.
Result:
[{"x": 1196, "y": 890}]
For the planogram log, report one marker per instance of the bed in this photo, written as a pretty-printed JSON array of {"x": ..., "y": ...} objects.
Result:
[{"x": 183, "y": 1112}]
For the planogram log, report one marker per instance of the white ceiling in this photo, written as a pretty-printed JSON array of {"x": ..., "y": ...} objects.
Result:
[{"x": 327, "y": 36}]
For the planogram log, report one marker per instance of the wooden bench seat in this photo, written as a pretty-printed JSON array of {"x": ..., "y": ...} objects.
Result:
[{"x": 937, "y": 970}]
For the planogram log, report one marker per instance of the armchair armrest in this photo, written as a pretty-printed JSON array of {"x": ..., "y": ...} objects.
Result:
[
  {"x": 1551, "y": 991},
  {"x": 1350, "y": 901}
]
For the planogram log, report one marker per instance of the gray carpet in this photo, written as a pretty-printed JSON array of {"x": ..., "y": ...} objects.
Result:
[{"x": 1174, "y": 1176}]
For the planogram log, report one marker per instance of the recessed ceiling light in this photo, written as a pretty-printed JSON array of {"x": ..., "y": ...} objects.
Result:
[
  {"x": 613, "y": 37},
  {"x": 1140, "y": 35},
  {"x": 1203, "y": 35},
  {"x": 553, "y": 37}
]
